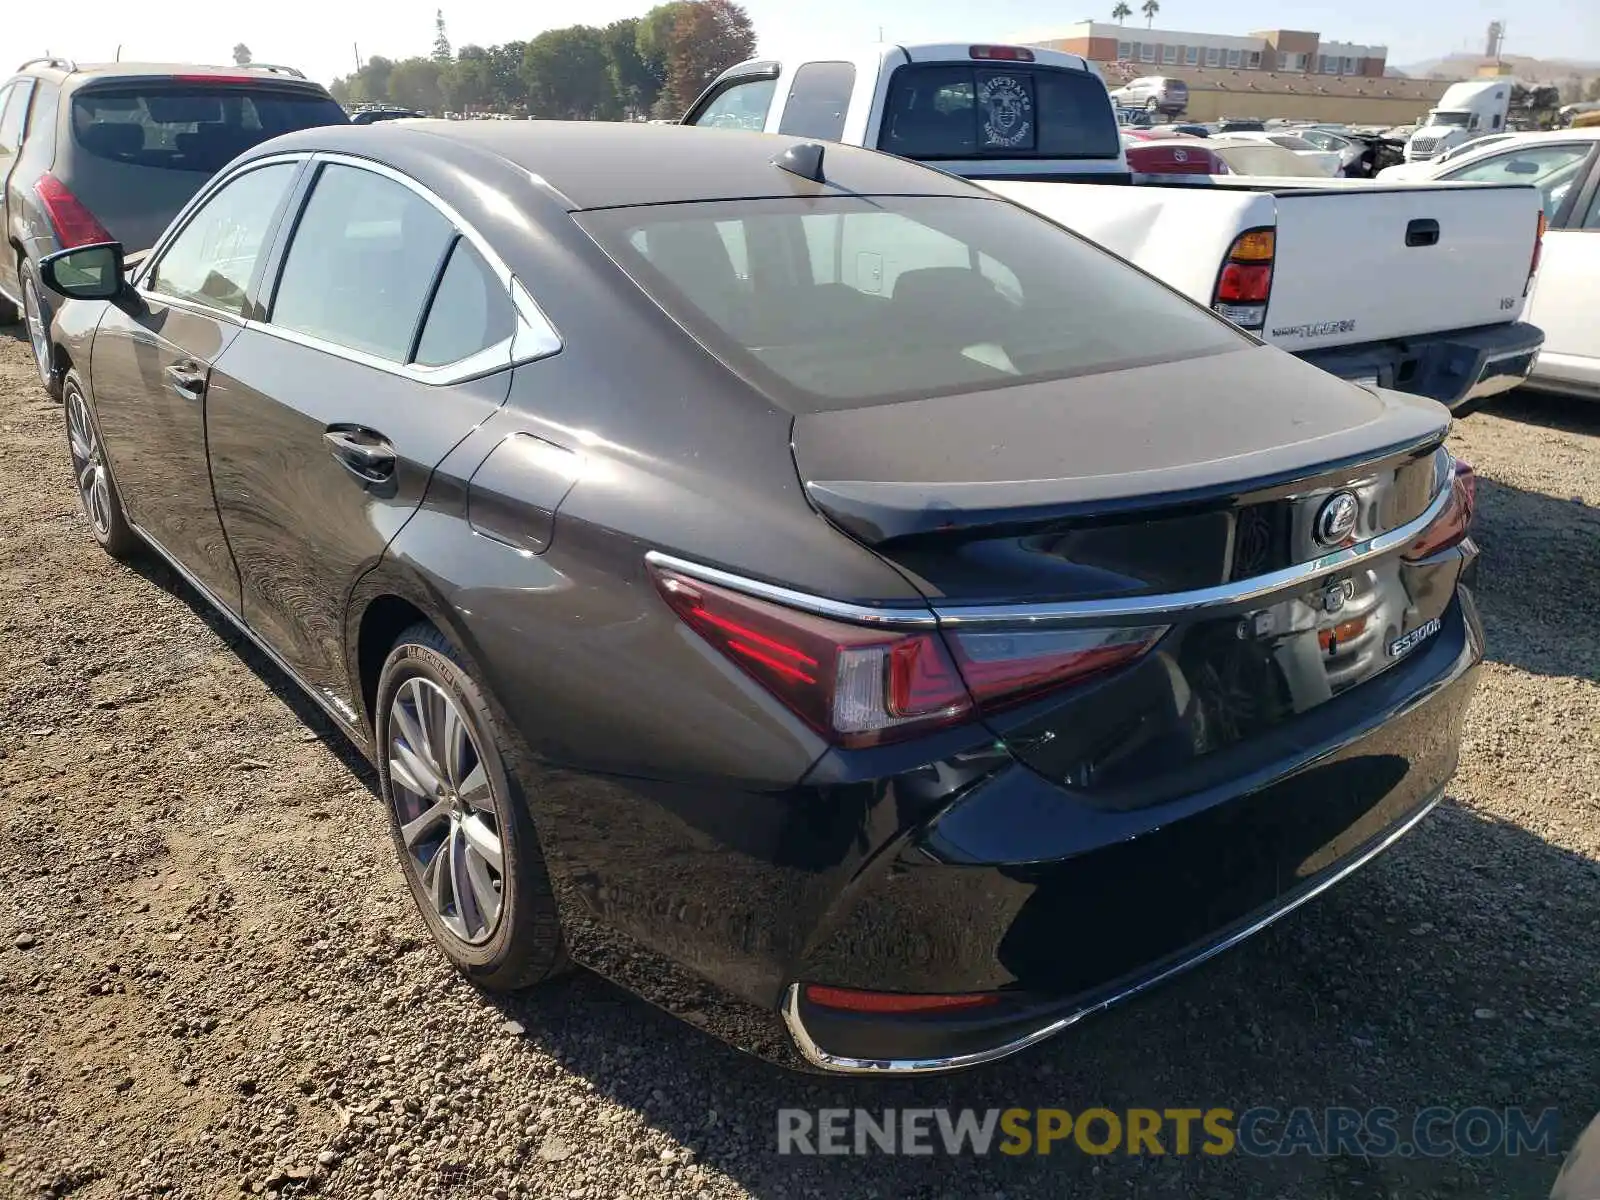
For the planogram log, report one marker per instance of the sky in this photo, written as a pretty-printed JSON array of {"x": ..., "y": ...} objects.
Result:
[{"x": 319, "y": 36}]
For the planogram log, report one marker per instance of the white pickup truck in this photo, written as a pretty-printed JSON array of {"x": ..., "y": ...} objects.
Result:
[{"x": 1415, "y": 288}]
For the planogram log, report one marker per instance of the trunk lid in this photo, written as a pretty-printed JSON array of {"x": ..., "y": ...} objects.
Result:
[
  {"x": 1365, "y": 264},
  {"x": 1186, "y": 507}
]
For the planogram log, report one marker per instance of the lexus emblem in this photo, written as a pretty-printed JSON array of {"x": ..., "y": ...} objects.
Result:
[
  {"x": 1336, "y": 519},
  {"x": 1180, "y": 155}
]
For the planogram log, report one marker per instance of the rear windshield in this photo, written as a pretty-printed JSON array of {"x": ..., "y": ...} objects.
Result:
[
  {"x": 997, "y": 111},
  {"x": 836, "y": 302},
  {"x": 194, "y": 127}
]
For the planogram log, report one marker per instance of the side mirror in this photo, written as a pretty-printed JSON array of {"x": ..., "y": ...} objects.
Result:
[{"x": 85, "y": 272}]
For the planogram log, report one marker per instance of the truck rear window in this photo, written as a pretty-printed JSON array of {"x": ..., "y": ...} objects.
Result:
[
  {"x": 954, "y": 111},
  {"x": 840, "y": 302},
  {"x": 195, "y": 127}
]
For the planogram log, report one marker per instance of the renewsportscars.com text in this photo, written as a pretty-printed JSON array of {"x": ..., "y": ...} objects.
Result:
[{"x": 1255, "y": 1132}]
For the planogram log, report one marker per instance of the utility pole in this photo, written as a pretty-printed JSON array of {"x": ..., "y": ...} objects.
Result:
[{"x": 356, "y": 46}]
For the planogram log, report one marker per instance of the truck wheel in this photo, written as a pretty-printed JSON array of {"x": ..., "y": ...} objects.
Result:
[{"x": 1152, "y": 105}]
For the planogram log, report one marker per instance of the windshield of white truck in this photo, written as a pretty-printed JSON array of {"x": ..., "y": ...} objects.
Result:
[
  {"x": 1459, "y": 120},
  {"x": 955, "y": 111}
]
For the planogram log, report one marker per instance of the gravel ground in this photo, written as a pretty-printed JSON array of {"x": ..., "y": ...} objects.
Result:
[{"x": 212, "y": 979}]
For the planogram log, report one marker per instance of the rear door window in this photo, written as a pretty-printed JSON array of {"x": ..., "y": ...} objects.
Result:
[
  {"x": 471, "y": 310},
  {"x": 363, "y": 261},
  {"x": 190, "y": 127},
  {"x": 818, "y": 100},
  {"x": 998, "y": 111}
]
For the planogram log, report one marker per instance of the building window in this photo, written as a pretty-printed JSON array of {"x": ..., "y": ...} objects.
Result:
[
  {"x": 1191, "y": 56},
  {"x": 1233, "y": 58},
  {"x": 1213, "y": 56},
  {"x": 1169, "y": 54},
  {"x": 1255, "y": 58},
  {"x": 1124, "y": 50},
  {"x": 1147, "y": 52},
  {"x": 1349, "y": 66}
]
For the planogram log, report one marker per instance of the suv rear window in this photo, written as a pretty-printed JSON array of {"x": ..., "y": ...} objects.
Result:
[
  {"x": 192, "y": 127},
  {"x": 998, "y": 111},
  {"x": 836, "y": 302}
]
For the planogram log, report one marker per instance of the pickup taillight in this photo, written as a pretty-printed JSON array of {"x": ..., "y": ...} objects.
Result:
[
  {"x": 1245, "y": 281},
  {"x": 1538, "y": 252}
]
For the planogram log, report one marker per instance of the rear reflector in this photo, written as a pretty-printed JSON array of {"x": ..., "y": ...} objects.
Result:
[
  {"x": 1451, "y": 526},
  {"x": 862, "y": 685},
  {"x": 853, "y": 1000},
  {"x": 1002, "y": 53},
  {"x": 74, "y": 224}
]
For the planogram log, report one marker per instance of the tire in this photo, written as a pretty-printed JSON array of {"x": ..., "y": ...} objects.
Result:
[
  {"x": 457, "y": 798},
  {"x": 36, "y": 315},
  {"x": 97, "y": 491},
  {"x": 1152, "y": 105}
]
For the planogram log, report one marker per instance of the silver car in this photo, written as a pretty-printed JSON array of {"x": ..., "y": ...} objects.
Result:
[{"x": 1153, "y": 93}]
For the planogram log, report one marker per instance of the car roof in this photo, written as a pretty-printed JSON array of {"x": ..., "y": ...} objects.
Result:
[
  {"x": 605, "y": 164},
  {"x": 1500, "y": 143},
  {"x": 74, "y": 74}
]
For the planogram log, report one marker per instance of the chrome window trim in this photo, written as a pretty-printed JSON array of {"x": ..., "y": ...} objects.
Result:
[
  {"x": 534, "y": 336},
  {"x": 1072, "y": 612},
  {"x": 842, "y": 1065}
]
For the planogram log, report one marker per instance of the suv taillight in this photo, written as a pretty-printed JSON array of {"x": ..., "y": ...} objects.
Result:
[
  {"x": 1245, "y": 280},
  {"x": 74, "y": 224},
  {"x": 1451, "y": 526},
  {"x": 862, "y": 686}
]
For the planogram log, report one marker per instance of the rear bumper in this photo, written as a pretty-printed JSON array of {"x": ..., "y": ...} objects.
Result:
[
  {"x": 1063, "y": 909},
  {"x": 1457, "y": 369}
]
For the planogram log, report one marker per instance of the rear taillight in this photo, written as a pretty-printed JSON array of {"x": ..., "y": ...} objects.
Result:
[
  {"x": 1452, "y": 525},
  {"x": 1538, "y": 252},
  {"x": 862, "y": 686},
  {"x": 74, "y": 224},
  {"x": 1001, "y": 53},
  {"x": 1245, "y": 280}
]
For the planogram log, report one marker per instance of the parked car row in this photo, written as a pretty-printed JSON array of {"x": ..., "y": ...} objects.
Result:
[
  {"x": 111, "y": 152},
  {"x": 847, "y": 635}
]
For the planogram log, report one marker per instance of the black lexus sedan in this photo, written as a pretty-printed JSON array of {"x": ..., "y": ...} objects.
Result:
[{"x": 790, "y": 580}]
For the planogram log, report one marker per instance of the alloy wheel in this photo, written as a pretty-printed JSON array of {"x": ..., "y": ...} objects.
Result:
[
  {"x": 88, "y": 464},
  {"x": 445, "y": 810},
  {"x": 38, "y": 334}
]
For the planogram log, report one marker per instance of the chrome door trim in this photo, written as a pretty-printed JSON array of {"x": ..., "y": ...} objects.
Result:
[{"x": 843, "y": 1065}]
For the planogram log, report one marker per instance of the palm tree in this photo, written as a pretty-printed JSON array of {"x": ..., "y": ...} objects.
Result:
[
  {"x": 1150, "y": 8},
  {"x": 1121, "y": 12}
]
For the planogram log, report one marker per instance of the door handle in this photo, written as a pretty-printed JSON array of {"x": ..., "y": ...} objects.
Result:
[
  {"x": 365, "y": 453},
  {"x": 188, "y": 379},
  {"x": 1424, "y": 231}
]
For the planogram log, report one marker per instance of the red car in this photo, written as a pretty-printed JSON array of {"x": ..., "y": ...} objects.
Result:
[{"x": 1173, "y": 154}]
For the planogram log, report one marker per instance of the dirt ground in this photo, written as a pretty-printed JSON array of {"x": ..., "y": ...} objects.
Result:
[{"x": 212, "y": 980}]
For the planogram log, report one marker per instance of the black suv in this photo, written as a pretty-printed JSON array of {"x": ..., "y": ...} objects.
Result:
[{"x": 112, "y": 151}]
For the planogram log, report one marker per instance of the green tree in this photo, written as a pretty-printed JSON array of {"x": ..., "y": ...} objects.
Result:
[
  {"x": 565, "y": 74},
  {"x": 707, "y": 38},
  {"x": 507, "y": 89},
  {"x": 468, "y": 82},
  {"x": 1150, "y": 8},
  {"x": 414, "y": 83},
  {"x": 441, "y": 42},
  {"x": 654, "y": 43},
  {"x": 1594, "y": 88},
  {"x": 241, "y": 55},
  {"x": 1121, "y": 12},
  {"x": 633, "y": 83},
  {"x": 369, "y": 85}
]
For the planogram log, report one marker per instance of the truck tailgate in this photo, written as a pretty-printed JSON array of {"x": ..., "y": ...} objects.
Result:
[{"x": 1366, "y": 264}]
